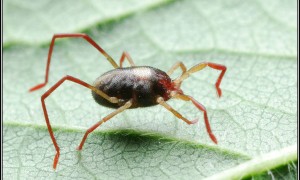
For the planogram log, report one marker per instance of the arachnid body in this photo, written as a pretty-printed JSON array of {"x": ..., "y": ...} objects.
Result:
[{"x": 130, "y": 87}]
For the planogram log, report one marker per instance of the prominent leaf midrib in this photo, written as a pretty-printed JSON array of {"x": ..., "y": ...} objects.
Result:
[
  {"x": 152, "y": 135},
  {"x": 248, "y": 168},
  {"x": 260, "y": 164}
]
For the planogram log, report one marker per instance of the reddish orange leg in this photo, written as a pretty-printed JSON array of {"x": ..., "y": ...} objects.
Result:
[
  {"x": 223, "y": 69},
  {"x": 127, "y": 56},
  {"x": 74, "y": 35},
  {"x": 202, "y": 108},
  {"x": 201, "y": 66},
  {"x": 46, "y": 94},
  {"x": 108, "y": 117}
]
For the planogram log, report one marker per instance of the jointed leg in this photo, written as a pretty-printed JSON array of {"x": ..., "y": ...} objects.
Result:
[
  {"x": 127, "y": 56},
  {"x": 73, "y": 35},
  {"x": 175, "y": 66},
  {"x": 199, "y": 67},
  {"x": 161, "y": 101},
  {"x": 46, "y": 94},
  {"x": 108, "y": 117},
  {"x": 202, "y": 108}
]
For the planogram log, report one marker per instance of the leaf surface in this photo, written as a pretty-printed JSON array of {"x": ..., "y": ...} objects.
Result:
[{"x": 256, "y": 115}]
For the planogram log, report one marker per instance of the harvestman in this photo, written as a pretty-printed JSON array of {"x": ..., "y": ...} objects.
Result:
[{"x": 130, "y": 87}]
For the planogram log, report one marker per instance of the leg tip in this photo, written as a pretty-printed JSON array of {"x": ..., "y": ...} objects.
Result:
[
  {"x": 194, "y": 121},
  {"x": 55, "y": 162},
  {"x": 39, "y": 86},
  {"x": 219, "y": 92},
  {"x": 213, "y": 138}
]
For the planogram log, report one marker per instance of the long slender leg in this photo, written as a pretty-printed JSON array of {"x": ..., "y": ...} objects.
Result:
[
  {"x": 127, "y": 56},
  {"x": 202, "y": 108},
  {"x": 199, "y": 67},
  {"x": 108, "y": 117},
  {"x": 161, "y": 101},
  {"x": 73, "y": 35},
  {"x": 46, "y": 94},
  {"x": 175, "y": 66}
]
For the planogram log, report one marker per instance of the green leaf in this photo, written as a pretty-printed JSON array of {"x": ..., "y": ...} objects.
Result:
[
  {"x": 38, "y": 21},
  {"x": 256, "y": 116}
]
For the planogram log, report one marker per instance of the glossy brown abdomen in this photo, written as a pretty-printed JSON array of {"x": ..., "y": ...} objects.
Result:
[{"x": 142, "y": 84}]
